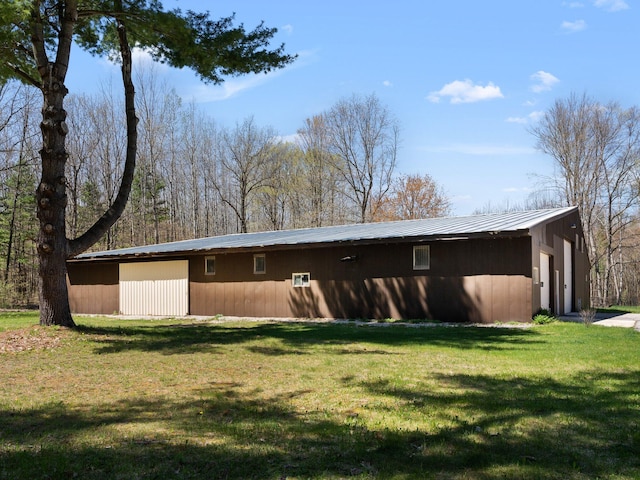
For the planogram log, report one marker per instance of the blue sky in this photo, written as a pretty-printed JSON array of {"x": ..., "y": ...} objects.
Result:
[{"x": 465, "y": 78}]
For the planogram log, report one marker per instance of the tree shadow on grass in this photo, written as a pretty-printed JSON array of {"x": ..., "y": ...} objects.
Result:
[
  {"x": 584, "y": 427},
  {"x": 296, "y": 337}
]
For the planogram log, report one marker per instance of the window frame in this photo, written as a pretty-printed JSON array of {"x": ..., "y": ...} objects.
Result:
[
  {"x": 206, "y": 264},
  {"x": 417, "y": 248},
  {"x": 303, "y": 283},
  {"x": 257, "y": 256}
]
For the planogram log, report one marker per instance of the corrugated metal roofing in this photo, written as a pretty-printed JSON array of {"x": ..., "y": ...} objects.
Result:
[{"x": 424, "y": 229}]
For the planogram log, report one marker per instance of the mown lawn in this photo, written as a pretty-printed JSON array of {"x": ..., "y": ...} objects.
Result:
[{"x": 120, "y": 399}]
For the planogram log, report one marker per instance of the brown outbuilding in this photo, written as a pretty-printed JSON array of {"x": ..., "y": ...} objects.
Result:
[{"x": 482, "y": 268}]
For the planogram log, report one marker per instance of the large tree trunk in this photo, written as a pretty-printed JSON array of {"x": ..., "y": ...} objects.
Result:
[
  {"x": 50, "y": 195},
  {"x": 53, "y": 246}
]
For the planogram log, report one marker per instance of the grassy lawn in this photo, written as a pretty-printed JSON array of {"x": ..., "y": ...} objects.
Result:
[
  {"x": 120, "y": 399},
  {"x": 620, "y": 309}
]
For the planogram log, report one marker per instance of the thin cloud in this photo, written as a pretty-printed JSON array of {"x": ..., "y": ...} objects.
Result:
[
  {"x": 203, "y": 93},
  {"x": 387, "y": 83},
  {"x": 573, "y": 4},
  {"x": 481, "y": 149},
  {"x": 230, "y": 88},
  {"x": 288, "y": 28},
  {"x": 465, "y": 91},
  {"x": 532, "y": 117},
  {"x": 291, "y": 138},
  {"x": 611, "y": 5},
  {"x": 544, "y": 81},
  {"x": 517, "y": 189},
  {"x": 537, "y": 115},
  {"x": 574, "y": 27}
]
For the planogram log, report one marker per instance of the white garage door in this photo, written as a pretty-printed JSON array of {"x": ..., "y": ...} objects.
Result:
[{"x": 154, "y": 288}]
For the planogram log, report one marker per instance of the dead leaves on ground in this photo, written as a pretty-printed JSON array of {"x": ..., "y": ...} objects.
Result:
[{"x": 31, "y": 338}]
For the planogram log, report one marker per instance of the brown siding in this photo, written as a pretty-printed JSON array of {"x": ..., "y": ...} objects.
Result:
[
  {"x": 480, "y": 280},
  {"x": 473, "y": 280},
  {"x": 549, "y": 238},
  {"x": 93, "y": 287}
]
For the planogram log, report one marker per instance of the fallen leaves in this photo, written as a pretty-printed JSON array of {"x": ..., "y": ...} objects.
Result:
[{"x": 32, "y": 338}]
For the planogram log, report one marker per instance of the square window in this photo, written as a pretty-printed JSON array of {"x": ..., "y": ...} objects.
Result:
[
  {"x": 209, "y": 265},
  {"x": 259, "y": 264},
  {"x": 421, "y": 257},
  {"x": 301, "y": 279}
]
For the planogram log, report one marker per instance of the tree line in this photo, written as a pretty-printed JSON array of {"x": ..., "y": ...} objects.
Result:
[
  {"x": 595, "y": 147},
  {"x": 196, "y": 178}
]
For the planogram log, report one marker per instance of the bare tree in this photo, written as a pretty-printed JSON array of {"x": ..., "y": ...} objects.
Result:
[
  {"x": 18, "y": 153},
  {"x": 595, "y": 149},
  {"x": 317, "y": 173},
  {"x": 246, "y": 166},
  {"x": 276, "y": 197},
  {"x": 38, "y": 35},
  {"x": 81, "y": 149},
  {"x": 106, "y": 168},
  {"x": 363, "y": 137}
]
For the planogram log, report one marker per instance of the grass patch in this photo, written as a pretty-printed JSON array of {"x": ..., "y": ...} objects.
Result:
[
  {"x": 12, "y": 319},
  {"x": 620, "y": 309},
  {"x": 120, "y": 399}
]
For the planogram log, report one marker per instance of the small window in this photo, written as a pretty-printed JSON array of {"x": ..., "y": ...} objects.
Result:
[
  {"x": 301, "y": 279},
  {"x": 421, "y": 260},
  {"x": 259, "y": 264},
  {"x": 209, "y": 265}
]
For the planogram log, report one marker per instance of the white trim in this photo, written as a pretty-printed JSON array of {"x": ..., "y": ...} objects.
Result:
[
  {"x": 301, "y": 279},
  {"x": 206, "y": 264},
  {"x": 426, "y": 252},
  {"x": 257, "y": 271}
]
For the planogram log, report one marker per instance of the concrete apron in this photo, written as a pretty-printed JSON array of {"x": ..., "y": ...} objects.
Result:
[{"x": 624, "y": 320}]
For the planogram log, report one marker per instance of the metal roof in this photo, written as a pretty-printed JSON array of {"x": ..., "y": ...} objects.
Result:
[{"x": 425, "y": 229}]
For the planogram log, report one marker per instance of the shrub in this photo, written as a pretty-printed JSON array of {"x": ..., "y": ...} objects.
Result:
[{"x": 543, "y": 317}]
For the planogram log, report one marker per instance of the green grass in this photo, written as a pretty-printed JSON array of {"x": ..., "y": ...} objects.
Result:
[
  {"x": 620, "y": 309},
  {"x": 16, "y": 319},
  {"x": 122, "y": 399}
]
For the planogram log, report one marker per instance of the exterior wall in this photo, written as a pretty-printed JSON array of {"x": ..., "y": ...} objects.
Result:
[
  {"x": 549, "y": 238},
  {"x": 479, "y": 280},
  {"x": 93, "y": 287},
  {"x": 469, "y": 280}
]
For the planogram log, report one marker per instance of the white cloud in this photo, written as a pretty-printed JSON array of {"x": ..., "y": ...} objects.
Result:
[
  {"x": 230, "y": 88},
  {"x": 291, "y": 138},
  {"x": 611, "y": 5},
  {"x": 535, "y": 116},
  {"x": 532, "y": 117},
  {"x": 387, "y": 83},
  {"x": 573, "y": 4},
  {"x": 573, "y": 27},
  {"x": 521, "y": 120},
  {"x": 465, "y": 91},
  {"x": 287, "y": 28},
  {"x": 544, "y": 81}
]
